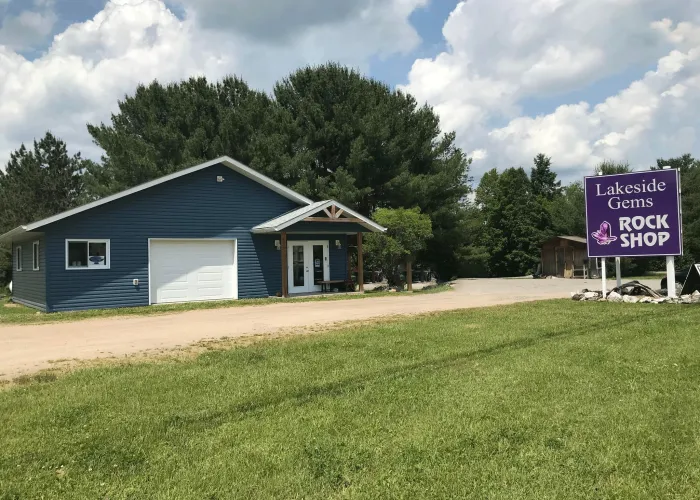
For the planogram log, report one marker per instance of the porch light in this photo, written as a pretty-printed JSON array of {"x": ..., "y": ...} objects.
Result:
[
  {"x": 337, "y": 244},
  {"x": 277, "y": 244}
]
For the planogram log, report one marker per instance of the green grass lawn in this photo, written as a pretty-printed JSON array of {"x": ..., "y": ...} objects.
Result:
[
  {"x": 545, "y": 400},
  {"x": 17, "y": 314}
]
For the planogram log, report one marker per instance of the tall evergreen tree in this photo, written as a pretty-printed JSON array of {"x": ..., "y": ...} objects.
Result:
[
  {"x": 328, "y": 132},
  {"x": 568, "y": 211},
  {"x": 544, "y": 181},
  {"x": 37, "y": 183},
  {"x": 515, "y": 223},
  {"x": 162, "y": 129},
  {"x": 689, "y": 169}
]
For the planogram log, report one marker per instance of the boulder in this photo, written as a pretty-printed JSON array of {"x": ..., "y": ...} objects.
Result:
[
  {"x": 630, "y": 299},
  {"x": 646, "y": 300},
  {"x": 591, "y": 295},
  {"x": 614, "y": 297}
]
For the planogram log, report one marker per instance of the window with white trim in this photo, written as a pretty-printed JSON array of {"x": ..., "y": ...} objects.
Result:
[
  {"x": 18, "y": 258},
  {"x": 35, "y": 256},
  {"x": 87, "y": 254}
]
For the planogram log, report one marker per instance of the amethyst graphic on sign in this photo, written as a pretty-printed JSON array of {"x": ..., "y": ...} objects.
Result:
[
  {"x": 602, "y": 235},
  {"x": 641, "y": 210}
]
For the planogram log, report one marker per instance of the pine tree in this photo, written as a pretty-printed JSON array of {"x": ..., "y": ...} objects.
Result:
[
  {"x": 544, "y": 181},
  {"x": 37, "y": 183}
]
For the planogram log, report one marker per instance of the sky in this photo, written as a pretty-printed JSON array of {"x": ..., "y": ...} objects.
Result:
[{"x": 581, "y": 81}]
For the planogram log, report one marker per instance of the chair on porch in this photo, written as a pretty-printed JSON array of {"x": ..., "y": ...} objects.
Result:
[{"x": 581, "y": 272}]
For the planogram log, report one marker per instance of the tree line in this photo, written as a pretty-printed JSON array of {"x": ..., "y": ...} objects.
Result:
[
  {"x": 513, "y": 213},
  {"x": 326, "y": 132}
]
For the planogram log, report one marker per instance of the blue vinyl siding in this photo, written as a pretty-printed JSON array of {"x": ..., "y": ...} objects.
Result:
[
  {"x": 29, "y": 286},
  {"x": 338, "y": 257},
  {"x": 192, "y": 206}
]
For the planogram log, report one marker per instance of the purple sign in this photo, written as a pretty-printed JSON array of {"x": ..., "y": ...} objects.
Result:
[{"x": 634, "y": 215}]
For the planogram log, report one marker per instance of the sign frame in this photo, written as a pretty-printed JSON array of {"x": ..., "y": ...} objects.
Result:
[{"x": 616, "y": 255}]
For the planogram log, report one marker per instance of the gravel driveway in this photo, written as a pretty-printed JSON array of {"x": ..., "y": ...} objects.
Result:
[{"x": 26, "y": 349}]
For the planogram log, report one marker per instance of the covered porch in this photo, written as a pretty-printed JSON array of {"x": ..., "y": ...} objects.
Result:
[{"x": 311, "y": 241}]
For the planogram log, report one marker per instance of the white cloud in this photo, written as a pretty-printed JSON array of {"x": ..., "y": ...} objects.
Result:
[
  {"x": 478, "y": 154},
  {"x": 31, "y": 26},
  {"x": 501, "y": 54},
  {"x": 92, "y": 64},
  {"x": 655, "y": 116}
]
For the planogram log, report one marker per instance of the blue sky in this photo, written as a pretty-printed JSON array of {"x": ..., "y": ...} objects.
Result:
[
  {"x": 428, "y": 22},
  {"x": 578, "y": 81}
]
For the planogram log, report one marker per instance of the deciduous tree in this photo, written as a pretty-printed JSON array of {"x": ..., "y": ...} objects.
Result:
[
  {"x": 408, "y": 231},
  {"x": 609, "y": 167}
]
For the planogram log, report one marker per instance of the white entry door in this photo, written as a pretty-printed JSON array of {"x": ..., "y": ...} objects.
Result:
[
  {"x": 192, "y": 270},
  {"x": 308, "y": 265}
]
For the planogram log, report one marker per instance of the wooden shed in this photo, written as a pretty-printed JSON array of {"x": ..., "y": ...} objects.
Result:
[{"x": 567, "y": 257}]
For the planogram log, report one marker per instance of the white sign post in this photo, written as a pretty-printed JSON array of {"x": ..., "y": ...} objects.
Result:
[
  {"x": 671, "y": 263},
  {"x": 671, "y": 276},
  {"x": 618, "y": 273},
  {"x": 603, "y": 277}
]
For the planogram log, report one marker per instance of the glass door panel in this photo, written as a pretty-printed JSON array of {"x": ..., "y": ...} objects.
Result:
[
  {"x": 318, "y": 263},
  {"x": 298, "y": 274}
]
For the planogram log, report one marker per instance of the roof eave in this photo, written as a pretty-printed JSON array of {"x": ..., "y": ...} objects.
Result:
[
  {"x": 229, "y": 162},
  {"x": 7, "y": 237}
]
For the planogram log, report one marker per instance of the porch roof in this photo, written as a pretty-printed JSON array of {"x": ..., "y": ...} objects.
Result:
[{"x": 338, "y": 215}]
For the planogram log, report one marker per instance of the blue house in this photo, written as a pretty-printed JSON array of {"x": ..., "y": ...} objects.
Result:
[{"x": 215, "y": 231}]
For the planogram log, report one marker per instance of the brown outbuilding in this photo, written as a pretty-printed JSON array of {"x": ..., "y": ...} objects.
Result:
[{"x": 567, "y": 257}]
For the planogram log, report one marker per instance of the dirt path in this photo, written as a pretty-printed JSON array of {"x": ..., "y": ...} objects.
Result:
[{"x": 27, "y": 349}]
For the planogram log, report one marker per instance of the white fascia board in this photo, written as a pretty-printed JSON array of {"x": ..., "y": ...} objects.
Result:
[{"x": 368, "y": 223}]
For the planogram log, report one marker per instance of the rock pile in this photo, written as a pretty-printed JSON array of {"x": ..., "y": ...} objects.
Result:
[{"x": 634, "y": 293}]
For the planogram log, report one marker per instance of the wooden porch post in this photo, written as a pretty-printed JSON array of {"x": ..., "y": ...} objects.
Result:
[
  {"x": 409, "y": 275},
  {"x": 348, "y": 260},
  {"x": 360, "y": 264},
  {"x": 285, "y": 271}
]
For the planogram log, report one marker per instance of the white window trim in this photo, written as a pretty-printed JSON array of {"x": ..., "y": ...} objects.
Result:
[
  {"x": 88, "y": 241},
  {"x": 18, "y": 258},
  {"x": 35, "y": 265}
]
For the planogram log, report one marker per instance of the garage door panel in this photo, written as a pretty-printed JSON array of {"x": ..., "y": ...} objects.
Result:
[
  {"x": 209, "y": 277},
  {"x": 192, "y": 270}
]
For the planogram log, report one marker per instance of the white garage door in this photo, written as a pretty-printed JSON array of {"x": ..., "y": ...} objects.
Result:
[{"x": 190, "y": 270}]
